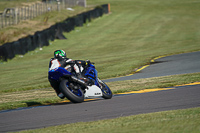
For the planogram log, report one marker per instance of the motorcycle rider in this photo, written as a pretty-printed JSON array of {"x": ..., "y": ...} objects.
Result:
[{"x": 73, "y": 66}]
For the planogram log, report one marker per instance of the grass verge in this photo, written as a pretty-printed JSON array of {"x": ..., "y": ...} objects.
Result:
[
  {"x": 12, "y": 100},
  {"x": 177, "y": 121},
  {"x": 14, "y": 3}
]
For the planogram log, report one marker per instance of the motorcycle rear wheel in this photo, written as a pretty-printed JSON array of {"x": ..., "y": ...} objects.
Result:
[{"x": 75, "y": 96}]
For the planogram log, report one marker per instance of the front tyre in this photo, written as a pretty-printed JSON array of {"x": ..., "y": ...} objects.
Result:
[
  {"x": 107, "y": 93},
  {"x": 74, "y": 95}
]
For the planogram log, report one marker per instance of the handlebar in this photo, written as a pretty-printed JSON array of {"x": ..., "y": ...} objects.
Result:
[{"x": 89, "y": 62}]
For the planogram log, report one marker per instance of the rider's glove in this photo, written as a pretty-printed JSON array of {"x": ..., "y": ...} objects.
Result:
[{"x": 87, "y": 62}]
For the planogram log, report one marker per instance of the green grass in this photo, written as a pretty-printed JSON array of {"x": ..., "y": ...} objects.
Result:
[
  {"x": 134, "y": 33},
  {"x": 178, "y": 121}
]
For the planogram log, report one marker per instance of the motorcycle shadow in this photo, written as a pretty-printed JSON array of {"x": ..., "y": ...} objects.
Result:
[{"x": 85, "y": 100}]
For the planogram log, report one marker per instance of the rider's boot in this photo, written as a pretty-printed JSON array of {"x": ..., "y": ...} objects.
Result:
[{"x": 61, "y": 95}]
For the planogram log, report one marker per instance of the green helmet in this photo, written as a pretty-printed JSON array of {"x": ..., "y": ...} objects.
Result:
[{"x": 59, "y": 53}]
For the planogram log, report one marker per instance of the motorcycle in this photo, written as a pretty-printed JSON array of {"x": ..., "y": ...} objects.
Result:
[{"x": 75, "y": 89}]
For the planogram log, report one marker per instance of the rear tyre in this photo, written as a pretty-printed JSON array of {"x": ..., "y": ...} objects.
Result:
[
  {"x": 107, "y": 93},
  {"x": 74, "y": 95}
]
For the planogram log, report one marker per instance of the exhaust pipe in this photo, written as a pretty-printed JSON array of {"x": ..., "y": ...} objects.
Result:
[{"x": 75, "y": 79}]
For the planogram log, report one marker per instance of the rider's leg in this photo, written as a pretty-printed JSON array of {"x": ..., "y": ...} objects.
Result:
[
  {"x": 79, "y": 69},
  {"x": 55, "y": 86}
]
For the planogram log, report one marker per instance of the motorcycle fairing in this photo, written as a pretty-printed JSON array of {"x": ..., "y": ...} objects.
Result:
[
  {"x": 93, "y": 91},
  {"x": 58, "y": 72},
  {"x": 91, "y": 73}
]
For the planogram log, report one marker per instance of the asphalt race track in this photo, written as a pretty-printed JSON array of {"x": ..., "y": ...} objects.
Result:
[
  {"x": 169, "y": 65},
  {"x": 120, "y": 105}
]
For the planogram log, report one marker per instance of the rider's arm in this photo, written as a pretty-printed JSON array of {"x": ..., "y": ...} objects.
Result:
[
  {"x": 54, "y": 63},
  {"x": 70, "y": 62},
  {"x": 80, "y": 62}
]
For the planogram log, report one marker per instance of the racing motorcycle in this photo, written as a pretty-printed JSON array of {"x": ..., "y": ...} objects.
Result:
[{"x": 75, "y": 89}]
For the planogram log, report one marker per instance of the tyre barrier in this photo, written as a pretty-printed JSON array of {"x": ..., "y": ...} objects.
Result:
[{"x": 42, "y": 38}]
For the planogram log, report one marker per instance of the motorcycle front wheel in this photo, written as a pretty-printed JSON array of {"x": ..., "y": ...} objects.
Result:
[
  {"x": 74, "y": 95},
  {"x": 107, "y": 93}
]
